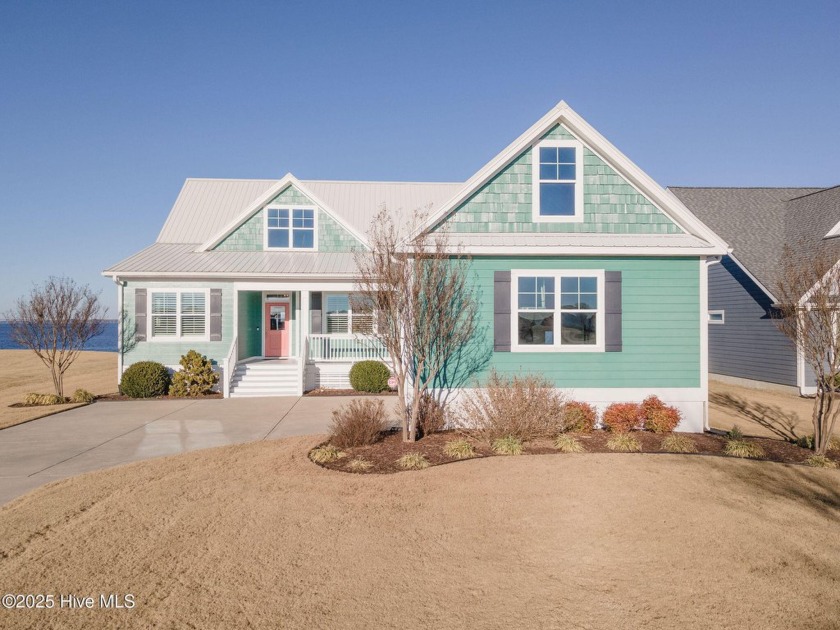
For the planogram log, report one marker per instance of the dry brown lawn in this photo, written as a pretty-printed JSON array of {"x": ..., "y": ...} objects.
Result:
[
  {"x": 257, "y": 536},
  {"x": 22, "y": 372},
  {"x": 759, "y": 412}
]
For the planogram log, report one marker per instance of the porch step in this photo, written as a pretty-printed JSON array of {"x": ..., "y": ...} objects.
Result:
[{"x": 266, "y": 378}]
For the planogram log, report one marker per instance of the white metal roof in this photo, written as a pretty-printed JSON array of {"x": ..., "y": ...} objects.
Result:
[
  {"x": 206, "y": 206},
  {"x": 181, "y": 258}
]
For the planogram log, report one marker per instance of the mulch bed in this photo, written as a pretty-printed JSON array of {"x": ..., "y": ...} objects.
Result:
[
  {"x": 384, "y": 454},
  {"x": 345, "y": 392}
]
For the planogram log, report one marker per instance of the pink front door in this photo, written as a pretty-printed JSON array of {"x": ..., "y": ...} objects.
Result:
[{"x": 277, "y": 330}]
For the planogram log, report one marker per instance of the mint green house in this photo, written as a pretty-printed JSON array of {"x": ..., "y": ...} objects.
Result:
[{"x": 587, "y": 272}]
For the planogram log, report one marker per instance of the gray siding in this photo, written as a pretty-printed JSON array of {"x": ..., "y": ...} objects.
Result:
[{"x": 748, "y": 344}]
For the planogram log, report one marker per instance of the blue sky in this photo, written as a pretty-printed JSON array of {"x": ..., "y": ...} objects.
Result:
[{"x": 107, "y": 107}]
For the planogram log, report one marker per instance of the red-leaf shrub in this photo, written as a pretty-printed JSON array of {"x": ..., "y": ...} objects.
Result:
[
  {"x": 580, "y": 416},
  {"x": 621, "y": 417},
  {"x": 663, "y": 420},
  {"x": 657, "y": 416}
]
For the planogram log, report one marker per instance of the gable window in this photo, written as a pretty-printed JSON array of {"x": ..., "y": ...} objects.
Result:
[
  {"x": 178, "y": 314},
  {"x": 557, "y": 193},
  {"x": 558, "y": 310},
  {"x": 290, "y": 228}
]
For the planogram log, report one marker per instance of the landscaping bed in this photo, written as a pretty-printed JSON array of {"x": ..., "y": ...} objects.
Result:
[
  {"x": 322, "y": 391},
  {"x": 383, "y": 456},
  {"x": 116, "y": 397}
]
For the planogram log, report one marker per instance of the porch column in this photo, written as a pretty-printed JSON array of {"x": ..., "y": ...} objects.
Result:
[{"x": 304, "y": 323}]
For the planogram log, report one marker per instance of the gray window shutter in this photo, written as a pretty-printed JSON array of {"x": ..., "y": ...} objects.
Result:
[
  {"x": 140, "y": 314},
  {"x": 315, "y": 312},
  {"x": 612, "y": 311},
  {"x": 501, "y": 311},
  {"x": 215, "y": 314}
]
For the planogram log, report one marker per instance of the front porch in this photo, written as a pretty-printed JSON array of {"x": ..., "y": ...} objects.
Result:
[{"x": 291, "y": 339}]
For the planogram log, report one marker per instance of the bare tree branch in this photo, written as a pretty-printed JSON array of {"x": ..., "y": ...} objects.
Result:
[{"x": 55, "y": 322}]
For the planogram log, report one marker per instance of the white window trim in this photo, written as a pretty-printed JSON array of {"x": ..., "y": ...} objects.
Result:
[
  {"x": 717, "y": 322},
  {"x": 557, "y": 274},
  {"x": 535, "y": 181},
  {"x": 314, "y": 247},
  {"x": 178, "y": 338}
]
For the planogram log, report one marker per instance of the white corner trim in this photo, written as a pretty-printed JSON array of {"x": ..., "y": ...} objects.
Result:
[{"x": 666, "y": 201}]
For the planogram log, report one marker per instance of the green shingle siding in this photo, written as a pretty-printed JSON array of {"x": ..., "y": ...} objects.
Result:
[
  {"x": 610, "y": 204},
  {"x": 332, "y": 237},
  {"x": 660, "y": 325}
]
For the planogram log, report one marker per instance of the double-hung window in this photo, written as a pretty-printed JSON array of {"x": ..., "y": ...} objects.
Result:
[
  {"x": 558, "y": 310},
  {"x": 178, "y": 314},
  {"x": 347, "y": 313},
  {"x": 290, "y": 228},
  {"x": 558, "y": 181}
]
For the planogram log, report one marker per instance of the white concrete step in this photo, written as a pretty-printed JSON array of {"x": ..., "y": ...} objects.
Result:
[{"x": 266, "y": 378}]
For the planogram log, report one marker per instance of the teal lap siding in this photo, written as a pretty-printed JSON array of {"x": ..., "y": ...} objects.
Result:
[{"x": 660, "y": 325}]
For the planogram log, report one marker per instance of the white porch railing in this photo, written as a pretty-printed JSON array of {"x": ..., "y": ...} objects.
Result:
[
  {"x": 230, "y": 366},
  {"x": 345, "y": 348}
]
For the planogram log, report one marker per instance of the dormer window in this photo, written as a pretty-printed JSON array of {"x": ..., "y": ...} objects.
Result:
[
  {"x": 290, "y": 228},
  {"x": 557, "y": 193}
]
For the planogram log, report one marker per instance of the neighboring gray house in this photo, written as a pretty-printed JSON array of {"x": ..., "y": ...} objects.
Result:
[{"x": 744, "y": 344}]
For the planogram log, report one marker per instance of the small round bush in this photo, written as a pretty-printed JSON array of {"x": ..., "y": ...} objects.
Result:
[
  {"x": 145, "y": 379},
  {"x": 657, "y": 416},
  {"x": 621, "y": 417},
  {"x": 196, "y": 377},
  {"x": 369, "y": 376},
  {"x": 580, "y": 416}
]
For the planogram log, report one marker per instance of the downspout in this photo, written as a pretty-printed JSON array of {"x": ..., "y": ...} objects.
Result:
[
  {"x": 120, "y": 318},
  {"x": 704, "y": 335}
]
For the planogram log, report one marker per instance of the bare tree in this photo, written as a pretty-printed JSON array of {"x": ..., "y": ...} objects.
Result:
[
  {"x": 426, "y": 311},
  {"x": 55, "y": 322},
  {"x": 809, "y": 299}
]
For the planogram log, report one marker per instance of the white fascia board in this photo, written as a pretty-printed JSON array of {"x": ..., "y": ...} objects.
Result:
[
  {"x": 831, "y": 273},
  {"x": 287, "y": 180},
  {"x": 580, "y": 250},
  {"x": 224, "y": 275},
  {"x": 835, "y": 231},
  {"x": 758, "y": 282},
  {"x": 577, "y": 126}
]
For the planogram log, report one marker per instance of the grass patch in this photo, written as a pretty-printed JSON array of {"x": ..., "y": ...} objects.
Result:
[
  {"x": 82, "y": 396},
  {"x": 508, "y": 445},
  {"x": 624, "y": 443},
  {"x": 821, "y": 461},
  {"x": 742, "y": 448},
  {"x": 834, "y": 444},
  {"x": 413, "y": 461},
  {"x": 459, "y": 449},
  {"x": 359, "y": 465},
  {"x": 325, "y": 454},
  {"x": 568, "y": 444},
  {"x": 43, "y": 399},
  {"x": 675, "y": 443}
]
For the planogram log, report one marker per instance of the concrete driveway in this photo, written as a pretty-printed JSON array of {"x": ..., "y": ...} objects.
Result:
[{"x": 107, "y": 434}]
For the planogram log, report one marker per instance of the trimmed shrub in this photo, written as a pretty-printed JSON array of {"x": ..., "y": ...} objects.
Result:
[
  {"x": 459, "y": 449},
  {"x": 621, "y": 417},
  {"x": 359, "y": 423},
  {"x": 325, "y": 454},
  {"x": 82, "y": 396},
  {"x": 507, "y": 445},
  {"x": 431, "y": 417},
  {"x": 196, "y": 377},
  {"x": 369, "y": 376},
  {"x": 658, "y": 417},
  {"x": 43, "y": 399},
  {"x": 624, "y": 443},
  {"x": 742, "y": 448},
  {"x": 568, "y": 444},
  {"x": 580, "y": 416},
  {"x": 676, "y": 443},
  {"x": 413, "y": 461},
  {"x": 522, "y": 407},
  {"x": 145, "y": 379}
]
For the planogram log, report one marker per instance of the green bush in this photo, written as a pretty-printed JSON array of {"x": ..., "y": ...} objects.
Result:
[
  {"x": 196, "y": 377},
  {"x": 145, "y": 379},
  {"x": 82, "y": 396},
  {"x": 369, "y": 376}
]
